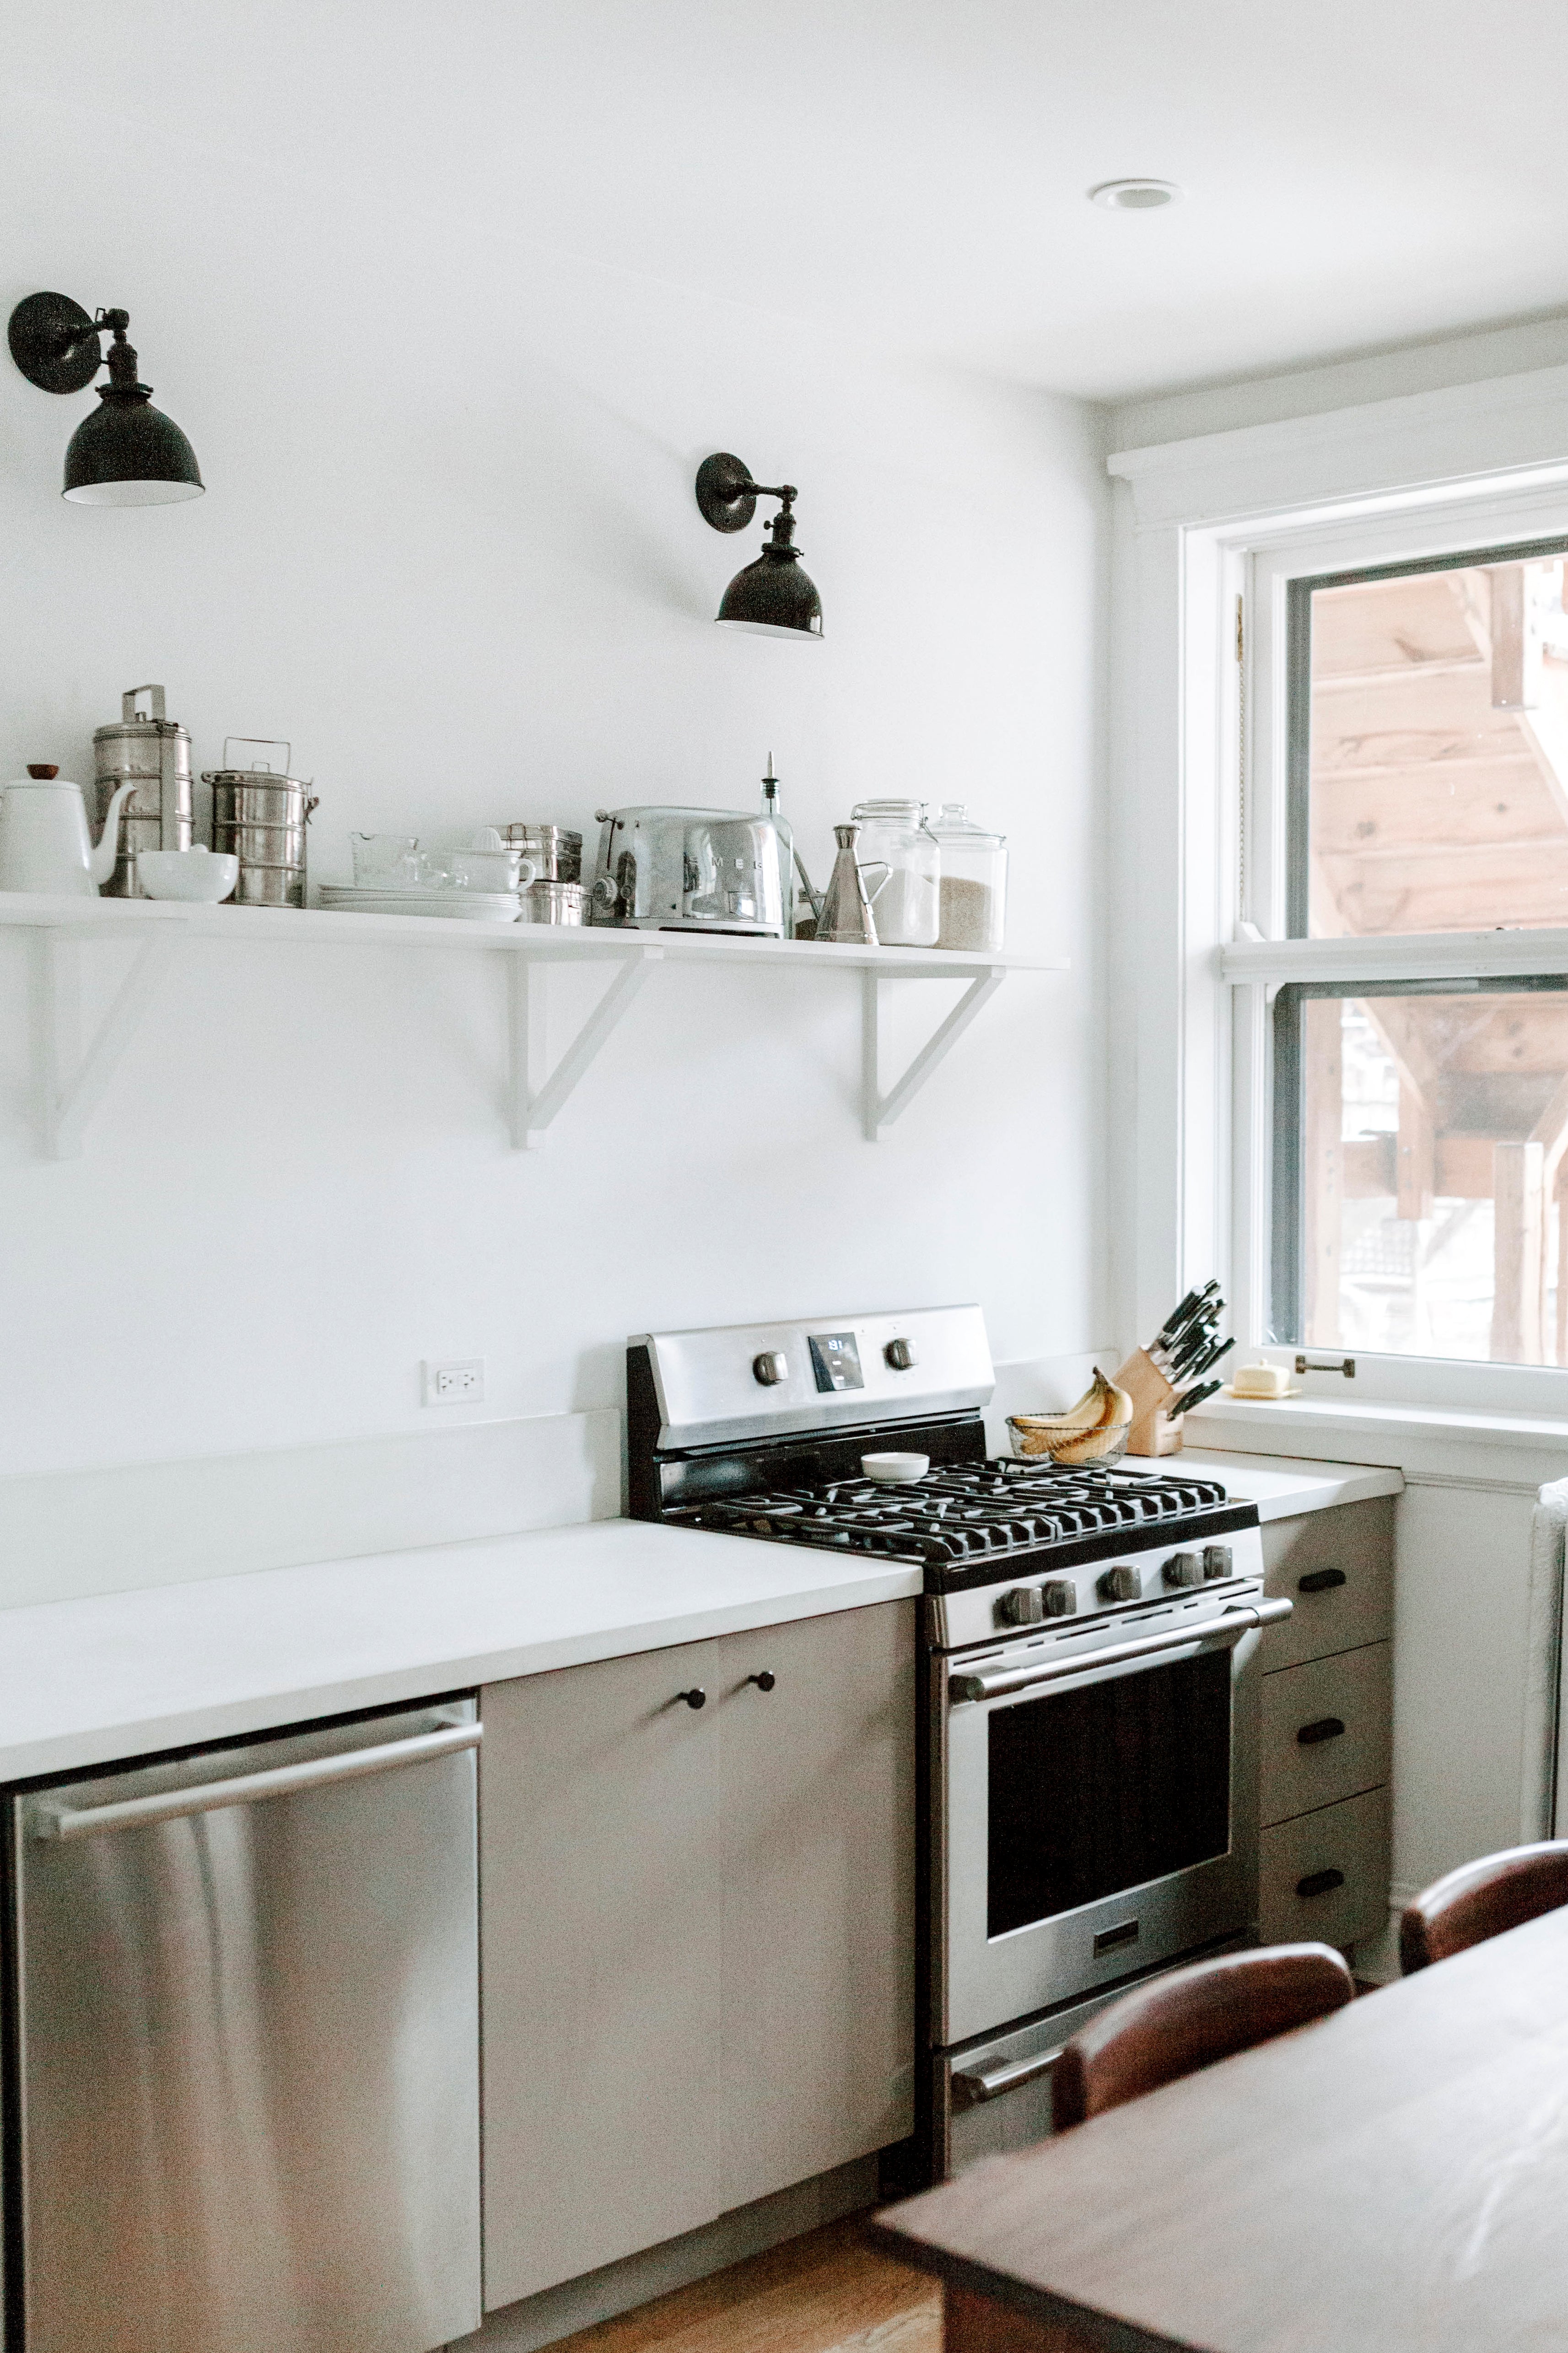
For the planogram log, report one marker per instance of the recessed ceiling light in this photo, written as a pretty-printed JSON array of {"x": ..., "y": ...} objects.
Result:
[{"x": 1134, "y": 195}]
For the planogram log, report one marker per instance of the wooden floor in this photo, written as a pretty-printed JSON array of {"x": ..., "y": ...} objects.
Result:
[{"x": 826, "y": 2293}]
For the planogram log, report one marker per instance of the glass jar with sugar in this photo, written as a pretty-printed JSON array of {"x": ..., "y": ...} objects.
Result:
[
  {"x": 974, "y": 882},
  {"x": 901, "y": 864}
]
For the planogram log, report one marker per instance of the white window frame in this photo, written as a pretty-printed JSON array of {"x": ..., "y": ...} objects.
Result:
[{"x": 1199, "y": 853}]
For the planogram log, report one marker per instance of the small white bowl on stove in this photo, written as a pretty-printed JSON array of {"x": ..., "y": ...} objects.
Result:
[{"x": 895, "y": 1469}]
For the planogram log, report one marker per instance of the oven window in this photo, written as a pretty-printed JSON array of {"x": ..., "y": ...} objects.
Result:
[{"x": 1099, "y": 1789}]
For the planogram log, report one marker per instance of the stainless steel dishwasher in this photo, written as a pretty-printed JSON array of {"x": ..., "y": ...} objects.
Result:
[{"x": 245, "y": 2072}]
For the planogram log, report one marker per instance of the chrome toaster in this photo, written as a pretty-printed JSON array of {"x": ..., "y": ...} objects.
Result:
[{"x": 688, "y": 869}]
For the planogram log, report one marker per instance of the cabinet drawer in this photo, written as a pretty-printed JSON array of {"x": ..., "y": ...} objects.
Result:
[
  {"x": 1346, "y": 1555},
  {"x": 1325, "y": 1731},
  {"x": 1326, "y": 1874}
]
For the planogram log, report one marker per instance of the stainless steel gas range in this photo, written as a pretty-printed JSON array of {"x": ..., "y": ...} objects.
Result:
[{"x": 1089, "y": 1732}]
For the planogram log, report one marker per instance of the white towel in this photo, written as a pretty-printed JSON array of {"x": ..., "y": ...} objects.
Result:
[{"x": 1537, "y": 1793}]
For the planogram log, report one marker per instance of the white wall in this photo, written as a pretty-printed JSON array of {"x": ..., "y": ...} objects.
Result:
[{"x": 450, "y": 548}]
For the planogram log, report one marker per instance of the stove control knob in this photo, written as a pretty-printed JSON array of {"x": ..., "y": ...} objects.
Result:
[
  {"x": 902, "y": 1355},
  {"x": 1218, "y": 1561},
  {"x": 1183, "y": 1569},
  {"x": 771, "y": 1367},
  {"x": 1022, "y": 1607},
  {"x": 1059, "y": 1595},
  {"x": 1122, "y": 1583}
]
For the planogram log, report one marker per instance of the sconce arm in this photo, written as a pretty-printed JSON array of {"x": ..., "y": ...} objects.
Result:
[
  {"x": 56, "y": 344},
  {"x": 727, "y": 496}
]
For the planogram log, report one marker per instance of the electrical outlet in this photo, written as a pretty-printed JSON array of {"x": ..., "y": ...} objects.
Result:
[{"x": 459, "y": 1383}]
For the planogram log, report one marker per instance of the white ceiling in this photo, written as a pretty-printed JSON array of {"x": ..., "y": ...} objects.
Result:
[{"x": 1359, "y": 172}]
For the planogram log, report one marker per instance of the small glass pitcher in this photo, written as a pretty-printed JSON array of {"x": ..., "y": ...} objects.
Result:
[{"x": 905, "y": 900}]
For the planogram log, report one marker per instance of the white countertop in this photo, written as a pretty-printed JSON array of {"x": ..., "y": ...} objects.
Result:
[
  {"x": 1279, "y": 1484},
  {"x": 119, "y": 1674},
  {"x": 88, "y": 1681}
]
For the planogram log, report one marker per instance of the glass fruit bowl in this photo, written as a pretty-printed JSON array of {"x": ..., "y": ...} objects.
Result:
[
  {"x": 1094, "y": 1430},
  {"x": 1040, "y": 1435}
]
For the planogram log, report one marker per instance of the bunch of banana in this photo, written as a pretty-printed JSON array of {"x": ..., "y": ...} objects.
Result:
[{"x": 1084, "y": 1433}]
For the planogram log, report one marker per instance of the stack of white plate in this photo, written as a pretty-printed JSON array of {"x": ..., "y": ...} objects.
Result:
[{"x": 468, "y": 906}]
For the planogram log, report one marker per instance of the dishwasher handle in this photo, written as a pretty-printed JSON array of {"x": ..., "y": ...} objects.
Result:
[
  {"x": 61, "y": 1821},
  {"x": 1229, "y": 1627}
]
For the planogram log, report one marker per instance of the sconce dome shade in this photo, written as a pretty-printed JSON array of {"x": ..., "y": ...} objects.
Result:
[
  {"x": 127, "y": 453},
  {"x": 773, "y": 599}
]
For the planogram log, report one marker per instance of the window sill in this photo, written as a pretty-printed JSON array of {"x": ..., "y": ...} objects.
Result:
[{"x": 1428, "y": 1442}]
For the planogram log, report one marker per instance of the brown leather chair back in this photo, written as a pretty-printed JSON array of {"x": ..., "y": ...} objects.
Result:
[
  {"x": 1179, "y": 2023},
  {"x": 1480, "y": 1900}
]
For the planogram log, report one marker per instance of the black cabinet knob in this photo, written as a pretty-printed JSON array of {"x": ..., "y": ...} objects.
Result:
[
  {"x": 1320, "y": 1882},
  {"x": 766, "y": 1681},
  {"x": 1320, "y": 1580},
  {"x": 696, "y": 1697},
  {"x": 1327, "y": 1727}
]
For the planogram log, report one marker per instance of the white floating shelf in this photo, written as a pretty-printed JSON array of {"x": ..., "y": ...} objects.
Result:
[{"x": 69, "y": 1082}]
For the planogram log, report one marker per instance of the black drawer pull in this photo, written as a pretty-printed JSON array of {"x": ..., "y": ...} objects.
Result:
[
  {"x": 1327, "y": 1727},
  {"x": 1320, "y": 1882},
  {"x": 1320, "y": 1580}
]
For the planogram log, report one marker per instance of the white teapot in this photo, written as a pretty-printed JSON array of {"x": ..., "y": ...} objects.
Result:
[{"x": 44, "y": 841}]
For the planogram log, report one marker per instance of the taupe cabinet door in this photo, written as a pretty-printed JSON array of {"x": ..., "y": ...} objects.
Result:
[
  {"x": 600, "y": 1902},
  {"x": 816, "y": 1832},
  {"x": 696, "y": 1933}
]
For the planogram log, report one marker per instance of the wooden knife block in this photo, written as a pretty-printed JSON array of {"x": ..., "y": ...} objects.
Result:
[{"x": 1155, "y": 1429}]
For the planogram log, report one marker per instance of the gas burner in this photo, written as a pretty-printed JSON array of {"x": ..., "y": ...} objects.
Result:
[{"x": 960, "y": 1512}]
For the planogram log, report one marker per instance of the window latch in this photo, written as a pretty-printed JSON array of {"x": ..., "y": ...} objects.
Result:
[{"x": 1345, "y": 1364}]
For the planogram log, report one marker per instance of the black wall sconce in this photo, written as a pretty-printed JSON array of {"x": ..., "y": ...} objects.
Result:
[
  {"x": 772, "y": 597},
  {"x": 127, "y": 453}
]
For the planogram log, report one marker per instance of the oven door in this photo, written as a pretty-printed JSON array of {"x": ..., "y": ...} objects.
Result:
[{"x": 1096, "y": 1818}]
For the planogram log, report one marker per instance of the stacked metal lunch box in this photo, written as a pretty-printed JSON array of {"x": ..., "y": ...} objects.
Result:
[
  {"x": 145, "y": 749},
  {"x": 260, "y": 816}
]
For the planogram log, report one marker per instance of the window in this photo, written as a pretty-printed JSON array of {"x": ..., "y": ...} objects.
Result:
[
  {"x": 1421, "y": 1133},
  {"x": 1417, "y": 1091},
  {"x": 1423, "y": 1123},
  {"x": 1429, "y": 726},
  {"x": 1339, "y": 889}
]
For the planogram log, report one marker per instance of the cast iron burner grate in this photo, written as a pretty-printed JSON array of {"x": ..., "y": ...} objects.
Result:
[{"x": 960, "y": 1513}]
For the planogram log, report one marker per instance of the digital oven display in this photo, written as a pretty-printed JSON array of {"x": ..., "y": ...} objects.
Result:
[{"x": 835, "y": 1361}]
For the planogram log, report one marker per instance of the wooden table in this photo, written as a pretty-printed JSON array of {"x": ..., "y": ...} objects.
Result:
[{"x": 1392, "y": 2179}]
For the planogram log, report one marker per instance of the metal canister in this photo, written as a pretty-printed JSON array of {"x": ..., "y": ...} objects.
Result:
[
  {"x": 554, "y": 903},
  {"x": 260, "y": 816},
  {"x": 152, "y": 753},
  {"x": 556, "y": 855}
]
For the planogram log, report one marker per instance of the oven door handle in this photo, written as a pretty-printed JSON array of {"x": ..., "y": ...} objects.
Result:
[
  {"x": 1230, "y": 1628},
  {"x": 990, "y": 2083}
]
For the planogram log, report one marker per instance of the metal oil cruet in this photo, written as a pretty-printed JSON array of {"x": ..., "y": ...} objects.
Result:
[{"x": 847, "y": 914}]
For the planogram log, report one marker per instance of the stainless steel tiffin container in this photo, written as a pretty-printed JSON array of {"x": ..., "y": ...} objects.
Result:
[{"x": 259, "y": 815}]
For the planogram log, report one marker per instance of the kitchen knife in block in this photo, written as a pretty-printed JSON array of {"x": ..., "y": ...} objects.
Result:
[{"x": 1153, "y": 1430}]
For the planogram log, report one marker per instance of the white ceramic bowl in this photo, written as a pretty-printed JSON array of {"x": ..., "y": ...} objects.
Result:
[
  {"x": 895, "y": 1469},
  {"x": 200, "y": 874}
]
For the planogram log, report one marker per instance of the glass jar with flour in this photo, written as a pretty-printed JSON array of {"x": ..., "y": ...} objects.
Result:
[
  {"x": 902, "y": 866},
  {"x": 973, "y": 893}
]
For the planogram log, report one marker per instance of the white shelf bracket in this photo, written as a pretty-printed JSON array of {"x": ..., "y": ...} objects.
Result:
[
  {"x": 878, "y": 1111},
  {"x": 67, "y": 1085},
  {"x": 534, "y": 1098}
]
